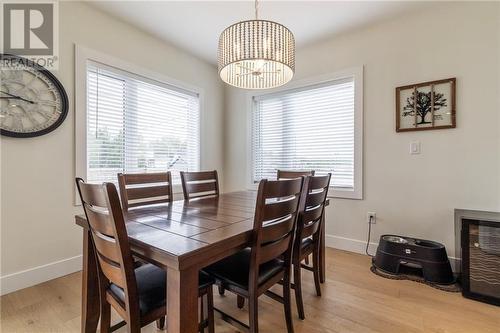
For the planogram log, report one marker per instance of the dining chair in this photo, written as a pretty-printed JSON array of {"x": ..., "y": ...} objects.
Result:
[
  {"x": 137, "y": 294},
  {"x": 139, "y": 189},
  {"x": 307, "y": 237},
  {"x": 199, "y": 184},
  {"x": 290, "y": 174},
  {"x": 252, "y": 271}
]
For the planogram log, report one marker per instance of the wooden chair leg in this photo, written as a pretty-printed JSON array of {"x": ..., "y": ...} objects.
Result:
[
  {"x": 202, "y": 316},
  {"x": 210, "y": 310},
  {"x": 105, "y": 317},
  {"x": 240, "y": 300},
  {"x": 221, "y": 290},
  {"x": 133, "y": 325},
  {"x": 317, "y": 271},
  {"x": 297, "y": 282},
  {"x": 135, "y": 328},
  {"x": 307, "y": 260},
  {"x": 253, "y": 310},
  {"x": 287, "y": 303},
  {"x": 160, "y": 323}
]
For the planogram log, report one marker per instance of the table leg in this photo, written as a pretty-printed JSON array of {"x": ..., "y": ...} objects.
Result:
[
  {"x": 90, "y": 286},
  {"x": 322, "y": 260},
  {"x": 182, "y": 300}
]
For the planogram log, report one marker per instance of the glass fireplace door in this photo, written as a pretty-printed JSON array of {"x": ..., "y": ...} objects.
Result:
[{"x": 481, "y": 260}]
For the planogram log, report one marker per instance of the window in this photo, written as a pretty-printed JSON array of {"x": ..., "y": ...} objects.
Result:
[
  {"x": 135, "y": 124},
  {"x": 314, "y": 127}
]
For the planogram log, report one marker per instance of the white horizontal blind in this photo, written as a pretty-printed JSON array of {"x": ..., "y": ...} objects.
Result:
[
  {"x": 138, "y": 125},
  {"x": 310, "y": 128}
]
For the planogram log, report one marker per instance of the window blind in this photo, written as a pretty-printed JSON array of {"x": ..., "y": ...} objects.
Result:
[
  {"x": 310, "y": 128},
  {"x": 138, "y": 125}
]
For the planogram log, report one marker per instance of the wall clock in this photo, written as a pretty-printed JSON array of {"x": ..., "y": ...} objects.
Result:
[{"x": 32, "y": 100}]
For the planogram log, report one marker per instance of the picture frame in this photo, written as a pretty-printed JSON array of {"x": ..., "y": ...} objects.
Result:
[{"x": 434, "y": 107}]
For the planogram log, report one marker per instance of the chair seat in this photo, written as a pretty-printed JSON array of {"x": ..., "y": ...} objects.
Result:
[
  {"x": 235, "y": 269},
  {"x": 307, "y": 242},
  {"x": 151, "y": 287},
  {"x": 306, "y": 248}
]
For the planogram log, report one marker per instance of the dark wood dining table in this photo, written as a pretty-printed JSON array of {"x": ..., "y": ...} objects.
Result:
[{"x": 181, "y": 237}]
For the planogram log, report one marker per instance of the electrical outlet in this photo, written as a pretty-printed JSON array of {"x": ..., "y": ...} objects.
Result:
[{"x": 371, "y": 217}]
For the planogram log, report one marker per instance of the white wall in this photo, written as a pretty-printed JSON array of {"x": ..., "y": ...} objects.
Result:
[
  {"x": 412, "y": 194},
  {"x": 458, "y": 168},
  {"x": 37, "y": 189}
]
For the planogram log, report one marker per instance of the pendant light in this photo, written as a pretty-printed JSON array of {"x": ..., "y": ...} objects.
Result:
[{"x": 256, "y": 54}]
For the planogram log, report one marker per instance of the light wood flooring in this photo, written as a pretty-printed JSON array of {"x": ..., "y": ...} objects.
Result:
[{"x": 354, "y": 300}]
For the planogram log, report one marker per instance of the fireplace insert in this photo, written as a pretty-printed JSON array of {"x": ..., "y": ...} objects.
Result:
[{"x": 480, "y": 240}]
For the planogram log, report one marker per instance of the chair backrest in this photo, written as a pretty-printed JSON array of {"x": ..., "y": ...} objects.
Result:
[
  {"x": 291, "y": 174},
  {"x": 109, "y": 236},
  {"x": 199, "y": 184},
  {"x": 275, "y": 219},
  {"x": 312, "y": 208},
  {"x": 141, "y": 189}
]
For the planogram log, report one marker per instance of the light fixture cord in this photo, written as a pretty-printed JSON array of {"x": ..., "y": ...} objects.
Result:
[{"x": 256, "y": 9}]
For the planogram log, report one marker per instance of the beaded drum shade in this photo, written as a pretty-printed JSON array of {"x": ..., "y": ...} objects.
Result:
[{"x": 256, "y": 54}]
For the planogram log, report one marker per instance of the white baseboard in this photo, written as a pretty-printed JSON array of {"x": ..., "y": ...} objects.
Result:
[
  {"x": 349, "y": 244},
  {"x": 30, "y": 277}
]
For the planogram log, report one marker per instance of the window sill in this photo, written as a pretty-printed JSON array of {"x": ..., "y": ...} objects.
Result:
[
  {"x": 334, "y": 193},
  {"x": 344, "y": 194}
]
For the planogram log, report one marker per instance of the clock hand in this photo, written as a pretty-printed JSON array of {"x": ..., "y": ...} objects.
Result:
[{"x": 15, "y": 97}]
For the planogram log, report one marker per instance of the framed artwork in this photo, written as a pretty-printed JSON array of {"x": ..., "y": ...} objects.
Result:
[{"x": 426, "y": 106}]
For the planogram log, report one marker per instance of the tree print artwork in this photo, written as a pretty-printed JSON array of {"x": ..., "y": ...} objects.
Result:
[
  {"x": 426, "y": 106},
  {"x": 423, "y": 105}
]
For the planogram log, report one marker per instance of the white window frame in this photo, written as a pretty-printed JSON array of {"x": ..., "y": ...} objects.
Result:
[
  {"x": 82, "y": 56},
  {"x": 357, "y": 74}
]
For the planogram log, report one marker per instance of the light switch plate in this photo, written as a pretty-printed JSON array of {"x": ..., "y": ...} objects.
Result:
[{"x": 415, "y": 148}]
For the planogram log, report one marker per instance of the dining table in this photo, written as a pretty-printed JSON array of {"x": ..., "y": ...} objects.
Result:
[{"x": 181, "y": 237}]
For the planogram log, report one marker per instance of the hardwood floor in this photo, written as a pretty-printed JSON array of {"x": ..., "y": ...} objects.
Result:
[{"x": 354, "y": 300}]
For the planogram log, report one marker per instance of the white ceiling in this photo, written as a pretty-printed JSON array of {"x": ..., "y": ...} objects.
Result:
[{"x": 195, "y": 26}]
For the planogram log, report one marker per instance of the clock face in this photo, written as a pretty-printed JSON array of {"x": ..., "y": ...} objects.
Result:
[{"x": 32, "y": 100}]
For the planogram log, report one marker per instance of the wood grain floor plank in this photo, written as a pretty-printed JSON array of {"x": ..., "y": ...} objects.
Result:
[{"x": 354, "y": 300}]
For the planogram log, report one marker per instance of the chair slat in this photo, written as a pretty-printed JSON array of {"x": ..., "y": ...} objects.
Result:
[
  {"x": 316, "y": 198},
  {"x": 94, "y": 195},
  {"x": 146, "y": 178},
  {"x": 99, "y": 220},
  {"x": 281, "y": 189},
  {"x": 275, "y": 249},
  {"x": 106, "y": 246},
  {"x": 275, "y": 231},
  {"x": 279, "y": 209},
  {"x": 291, "y": 174},
  {"x": 310, "y": 229},
  {"x": 148, "y": 202},
  {"x": 199, "y": 184},
  {"x": 201, "y": 187},
  {"x": 198, "y": 176},
  {"x": 148, "y": 192},
  {"x": 319, "y": 182},
  {"x": 113, "y": 273},
  {"x": 312, "y": 214}
]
